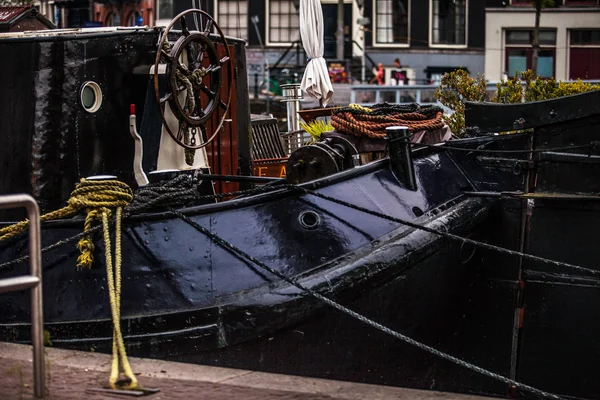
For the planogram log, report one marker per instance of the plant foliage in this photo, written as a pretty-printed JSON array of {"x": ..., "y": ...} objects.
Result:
[
  {"x": 315, "y": 128},
  {"x": 457, "y": 87}
]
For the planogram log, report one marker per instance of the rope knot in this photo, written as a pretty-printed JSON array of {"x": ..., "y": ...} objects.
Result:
[{"x": 98, "y": 198}]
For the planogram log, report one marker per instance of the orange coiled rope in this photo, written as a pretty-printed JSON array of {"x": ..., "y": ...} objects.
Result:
[{"x": 371, "y": 122}]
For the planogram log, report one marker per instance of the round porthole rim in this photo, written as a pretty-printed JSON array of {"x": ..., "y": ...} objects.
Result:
[
  {"x": 309, "y": 226},
  {"x": 95, "y": 87}
]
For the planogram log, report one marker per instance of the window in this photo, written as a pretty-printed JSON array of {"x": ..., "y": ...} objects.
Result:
[
  {"x": 581, "y": 2},
  {"x": 448, "y": 22},
  {"x": 232, "y": 16},
  {"x": 113, "y": 19},
  {"x": 525, "y": 37},
  {"x": 585, "y": 37},
  {"x": 584, "y": 54},
  {"x": 519, "y": 52},
  {"x": 392, "y": 21},
  {"x": 165, "y": 11},
  {"x": 135, "y": 19},
  {"x": 284, "y": 22}
]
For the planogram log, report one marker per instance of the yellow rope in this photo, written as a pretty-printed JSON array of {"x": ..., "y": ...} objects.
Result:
[
  {"x": 360, "y": 108},
  {"x": 98, "y": 198},
  {"x": 114, "y": 292},
  {"x": 95, "y": 196}
]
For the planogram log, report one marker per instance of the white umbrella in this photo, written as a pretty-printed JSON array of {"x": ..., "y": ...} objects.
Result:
[{"x": 315, "y": 82}]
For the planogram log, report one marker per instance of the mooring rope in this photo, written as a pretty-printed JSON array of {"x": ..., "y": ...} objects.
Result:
[
  {"x": 223, "y": 243},
  {"x": 144, "y": 200},
  {"x": 372, "y": 121},
  {"x": 445, "y": 146},
  {"x": 171, "y": 193},
  {"x": 447, "y": 235},
  {"x": 95, "y": 196},
  {"x": 113, "y": 278}
]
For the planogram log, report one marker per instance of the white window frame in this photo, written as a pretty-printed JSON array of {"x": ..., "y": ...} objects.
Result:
[
  {"x": 506, "y": 46},
  {"x": 449, "y": 46},
  {"x": 268, "y": 41},
  {"x": 161, "y": 21},
  {"x": 390, "y": 45},
  {"x": 216, "y": 13}
]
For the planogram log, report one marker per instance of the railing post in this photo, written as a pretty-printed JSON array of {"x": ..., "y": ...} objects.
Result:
[
  {"x": 33, "y": 282},
  {"x": 256, "y": 85}
]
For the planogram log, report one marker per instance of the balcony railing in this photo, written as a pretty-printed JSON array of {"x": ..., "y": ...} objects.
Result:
[{"x": 367, "y": 95}]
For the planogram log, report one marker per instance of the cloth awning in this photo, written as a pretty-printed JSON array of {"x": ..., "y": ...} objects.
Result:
[{"x": 315, "y": 82}]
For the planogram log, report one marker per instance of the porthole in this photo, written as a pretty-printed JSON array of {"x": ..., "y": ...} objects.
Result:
[
  {"x": 91, "y": 96},
  {"x": 309, "y": 219}
]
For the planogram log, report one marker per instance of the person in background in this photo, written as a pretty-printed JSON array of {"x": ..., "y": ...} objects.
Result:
[
  {"x": 379, "y": 75},
  {"x": 398, "y": 76}
]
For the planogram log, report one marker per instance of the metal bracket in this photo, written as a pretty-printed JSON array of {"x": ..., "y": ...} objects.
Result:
[
  {"x": 138, "y": 170},
  {"x": 133, "y": 393},
  {"x": 511, "y": 164}
]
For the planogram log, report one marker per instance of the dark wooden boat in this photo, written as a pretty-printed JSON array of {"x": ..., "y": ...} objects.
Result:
[{"x": 187, "y": 297}]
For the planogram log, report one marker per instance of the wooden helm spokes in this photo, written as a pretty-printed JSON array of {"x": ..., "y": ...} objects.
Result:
[{"x": 195, "y": 74}]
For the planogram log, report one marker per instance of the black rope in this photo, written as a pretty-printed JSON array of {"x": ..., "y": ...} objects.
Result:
[
  {"x": 156, "y": 195},
  {"x": 387, "y": 109},
  {"x": 168, "y": 195},
  {"x": 172, "y": 193},
  {"x": 592, "y": 145},
  {"x": 446, "y": 234},
  {"x": 219, "y": 241}
]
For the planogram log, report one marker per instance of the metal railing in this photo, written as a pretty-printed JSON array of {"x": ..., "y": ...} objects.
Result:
[
  {"x": 33, "y": 282},
  {"x": 367, "y": 95}
]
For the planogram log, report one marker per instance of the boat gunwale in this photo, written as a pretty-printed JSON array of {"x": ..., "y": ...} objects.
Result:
[
  {"x": 250, "y": 200},
  {"x": 322, "y": 278}
]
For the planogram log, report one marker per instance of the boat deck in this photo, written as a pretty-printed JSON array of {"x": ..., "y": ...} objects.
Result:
[{"x": 71, "y": 373}]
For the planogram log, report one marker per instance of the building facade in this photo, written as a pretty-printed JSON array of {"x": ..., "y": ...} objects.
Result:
[
  {"x": 430, "y": 37},
  {"x": 122, "y": 13},
  {"x": 569, "y": 39}
]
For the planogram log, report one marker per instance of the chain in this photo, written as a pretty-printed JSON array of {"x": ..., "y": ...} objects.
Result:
[{"x": 218, "y": 240}]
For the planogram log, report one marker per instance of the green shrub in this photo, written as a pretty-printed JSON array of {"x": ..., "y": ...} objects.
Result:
[{"x": 457, "y": 87}]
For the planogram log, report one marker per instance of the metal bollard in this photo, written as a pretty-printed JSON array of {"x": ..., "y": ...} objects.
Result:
[{"x": 401, "y": 161}]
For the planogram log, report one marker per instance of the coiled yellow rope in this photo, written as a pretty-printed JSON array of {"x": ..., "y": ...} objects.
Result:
[
  {"x": 95, "y": 196},
  {"x": 98, "y": 198}
]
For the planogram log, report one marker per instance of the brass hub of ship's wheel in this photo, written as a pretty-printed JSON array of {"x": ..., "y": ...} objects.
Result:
[{"x": 194, "y": 75}]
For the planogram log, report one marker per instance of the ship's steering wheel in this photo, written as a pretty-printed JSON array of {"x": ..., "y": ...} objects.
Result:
[{"x": 193, "y": 66}]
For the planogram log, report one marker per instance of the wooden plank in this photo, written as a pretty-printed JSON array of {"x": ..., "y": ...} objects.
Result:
[{"x": 223, "y": 151}]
